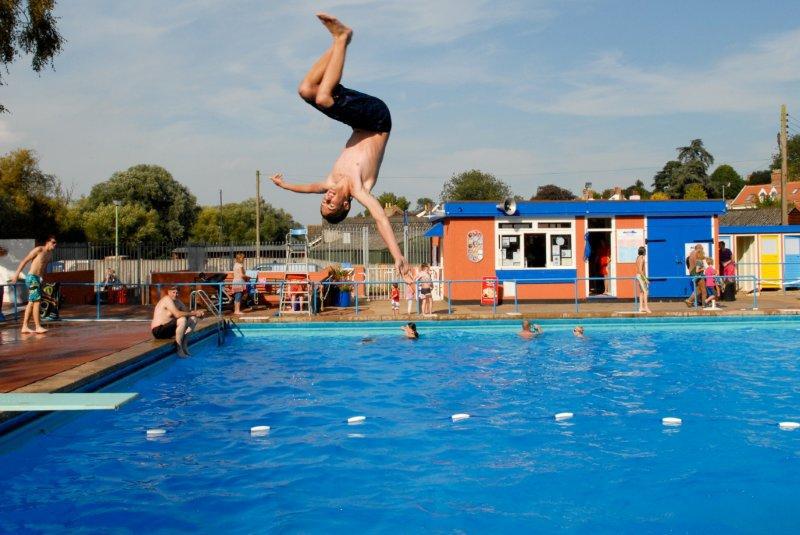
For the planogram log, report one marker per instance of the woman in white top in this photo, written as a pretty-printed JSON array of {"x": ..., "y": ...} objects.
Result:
[{"x": 239, "y": 283}]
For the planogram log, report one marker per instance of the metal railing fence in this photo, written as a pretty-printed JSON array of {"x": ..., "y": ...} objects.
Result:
[{"x": 15, "y": 292}]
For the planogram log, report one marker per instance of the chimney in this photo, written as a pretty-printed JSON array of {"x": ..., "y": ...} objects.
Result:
[{"x": 776, "y": 179}]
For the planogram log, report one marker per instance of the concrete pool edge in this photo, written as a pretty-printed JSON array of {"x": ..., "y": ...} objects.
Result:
[
  {"x": 96, "y": 374},
  {"x": 622, "y": 314}
]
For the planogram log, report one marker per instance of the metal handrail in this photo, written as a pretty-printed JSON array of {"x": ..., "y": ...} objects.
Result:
[{"x": 208, "y": 304}]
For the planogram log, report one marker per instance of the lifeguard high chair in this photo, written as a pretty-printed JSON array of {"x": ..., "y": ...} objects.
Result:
[{"x": 296, "y": 290}]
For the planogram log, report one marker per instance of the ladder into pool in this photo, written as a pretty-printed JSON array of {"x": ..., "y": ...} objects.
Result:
[
  {"x": 296, "y": 288},
  {"x": 200, "y": 299}
]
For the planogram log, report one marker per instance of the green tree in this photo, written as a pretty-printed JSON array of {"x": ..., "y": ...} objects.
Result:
[
  {"x": 551, "y": 192},
  {"x": 691, "y": 167},
  {"x": 792, "y": 157},
  {"x": 726, "y": 176},
  {"x": 28, "y": 28},
  {"x": 238, "y": 223},
  {"x": 695, "y": 192},
  {"x": 759, "y": 177},
  {"x": 153, "y": 188},
  {"x": 637, "y": 189},
  {"x": 475, "y": 185},
  {"x": 663, "y": 179},
  {"x": 32, "y": 202},
  {"x": 695, "y": 152},
  {"x": 136, "y": 224},
  {"x": 422, "y": 203},
  {"x": 390, "y": 198},
  {"x": 607, "y": 193}
]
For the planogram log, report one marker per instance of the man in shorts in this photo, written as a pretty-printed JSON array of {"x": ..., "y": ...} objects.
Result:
[
  {"x": 356, "y": 170},
  {"x": 171, "y": 319},
  {"x": 39, "y": 257}
]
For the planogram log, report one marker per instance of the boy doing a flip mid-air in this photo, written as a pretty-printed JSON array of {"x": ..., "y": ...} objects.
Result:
[{"x": 356, "y": 170}]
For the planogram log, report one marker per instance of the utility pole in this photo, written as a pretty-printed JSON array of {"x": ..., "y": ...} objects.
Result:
[
  {"x": 784, "y": 167},
  {"x": 258, "y": 217},
  {"x": 220, "y": 217}
]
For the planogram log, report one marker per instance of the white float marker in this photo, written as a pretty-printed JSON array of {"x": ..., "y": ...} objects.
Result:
[
  {"x": 563, "y": 416},
  {"x": 259, "y": 430},
  {"x": 671, "y": 421},
  {"x": 459, "y": 416},
  {"x": 153, "y": 433},
  {"x": 355, "y": 420},
  {"x": 789, "y": 426}
]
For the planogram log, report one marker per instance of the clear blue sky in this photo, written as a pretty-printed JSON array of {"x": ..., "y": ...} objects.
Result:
[{"x": 536, "y": 92}]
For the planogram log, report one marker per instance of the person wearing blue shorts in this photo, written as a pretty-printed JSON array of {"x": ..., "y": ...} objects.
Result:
[
  {"x": 38, "y": 258},
  {"x": 356, "y": 170}
]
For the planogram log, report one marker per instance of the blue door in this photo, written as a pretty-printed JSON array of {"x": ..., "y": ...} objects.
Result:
[
  {"x": 666, "y": 239},
  {"x": 791, "y": 257}
]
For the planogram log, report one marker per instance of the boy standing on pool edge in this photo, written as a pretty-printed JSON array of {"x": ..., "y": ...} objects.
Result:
[{"x": 356, "y": 170}]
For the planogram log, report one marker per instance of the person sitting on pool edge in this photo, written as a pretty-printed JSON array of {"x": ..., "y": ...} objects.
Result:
[
  {"x": 410, "y": 329},
  {"x": 529, "y": 333},
  {"x": 170, "y": 318}
]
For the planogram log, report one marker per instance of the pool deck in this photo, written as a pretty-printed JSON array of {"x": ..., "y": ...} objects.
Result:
[{"x": 76, "y": 353}]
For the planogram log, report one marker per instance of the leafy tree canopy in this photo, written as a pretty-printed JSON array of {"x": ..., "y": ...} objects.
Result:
[
  {"x": 136, "y": 224},
  {"x": 695, "y": 152},
  {"x": 726, "y": 176},
  {"x": 390, "y": 198},
  {"x": 152, "y": 188},
  {"x": 28, "y": 27},
  {"x": 695, "y": 192},
  {"x": 663, "y": 179},
  {"x": 792, "y": 158},
  {"x": 691, "y": 167},
  {"x": 659, "y": 196},
  {"x": 422, "y": 203},
  {"x": 759, "y": 177},
  {"x": 475, "y": 185},
  {"x": 238, "y": 223},
  {"x": 637, "y": 189},
  {"x": 551, "y": 192},
  {"x": 32, "y": 202}
]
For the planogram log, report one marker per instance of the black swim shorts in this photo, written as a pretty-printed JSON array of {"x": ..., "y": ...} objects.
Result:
[
  {"x": 357, "y": 110},
  {"x": 425, "y": 291},
  {"x": 166, "y": 331}
]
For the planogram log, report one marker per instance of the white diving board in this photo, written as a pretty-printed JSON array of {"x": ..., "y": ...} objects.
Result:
[{"x": 64, "y": 401}]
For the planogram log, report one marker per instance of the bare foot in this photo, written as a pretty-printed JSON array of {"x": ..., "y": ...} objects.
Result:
[
  {"x": 335, "y": 26},
  {"x": 181, "y": 353},
  {"x": 26, "y": 330},
  {"x": 40, "y": 330}
]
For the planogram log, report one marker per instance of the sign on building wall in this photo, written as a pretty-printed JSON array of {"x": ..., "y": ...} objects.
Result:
[
  {"x": 475, "y": 246},
  {"x": 628, "y": 242}
]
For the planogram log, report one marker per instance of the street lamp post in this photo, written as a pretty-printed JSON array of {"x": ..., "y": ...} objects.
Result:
[{"x": 116, "y": 233}]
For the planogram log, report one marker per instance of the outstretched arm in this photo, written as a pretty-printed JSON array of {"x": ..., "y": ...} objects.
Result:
[
  {"x": 385, "y": 229},
  {"x": 316, "y": 187}
]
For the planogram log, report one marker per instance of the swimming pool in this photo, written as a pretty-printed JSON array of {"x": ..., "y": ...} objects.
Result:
[{"x": 409, "y": 467}]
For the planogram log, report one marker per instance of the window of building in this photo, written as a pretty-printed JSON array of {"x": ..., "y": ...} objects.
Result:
[
  {"x": 599, "y": 222},
  {"x": 535, "y": 245}
]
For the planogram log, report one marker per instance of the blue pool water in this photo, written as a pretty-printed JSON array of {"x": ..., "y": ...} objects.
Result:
[{"x": 613, "y": 467}]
